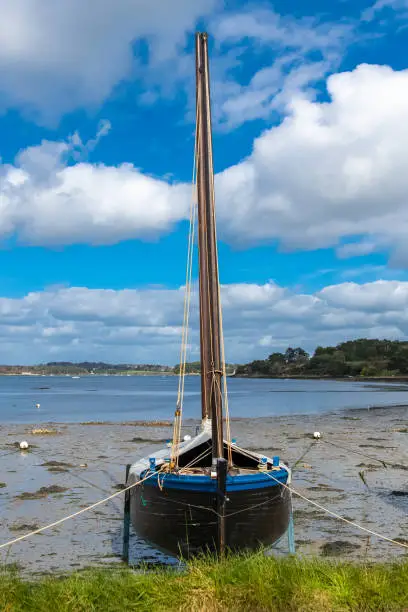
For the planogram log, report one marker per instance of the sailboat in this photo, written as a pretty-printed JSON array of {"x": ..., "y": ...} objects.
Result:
[{"x": 205, "y": 493}]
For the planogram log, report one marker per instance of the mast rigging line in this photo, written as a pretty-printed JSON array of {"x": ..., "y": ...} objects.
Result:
[
  {"x": 186, "y": 315},
  {"x": 210, "y": 255},
  {"x": 222, "y": 342}
]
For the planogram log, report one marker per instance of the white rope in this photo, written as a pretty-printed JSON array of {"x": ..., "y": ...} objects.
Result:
[
  {"x": 187, "y": 300},
  {"x": 338, "y": 516},
  {"x": 71, "y": 516},
  {"x": 224, "y": 393},
  {"x": 135, "y": 484},
  {"x": 202, "y": 455}
]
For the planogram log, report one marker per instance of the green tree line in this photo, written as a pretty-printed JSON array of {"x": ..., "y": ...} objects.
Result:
[
  {"x": 361, "y": 357},
  {"x": 194, "y": 367}
]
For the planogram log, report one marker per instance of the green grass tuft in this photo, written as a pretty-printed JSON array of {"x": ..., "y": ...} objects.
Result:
[{"x": 243, "y": 583}]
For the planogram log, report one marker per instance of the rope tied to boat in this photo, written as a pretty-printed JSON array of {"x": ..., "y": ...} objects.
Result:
[
  {"x": 212, "y": 510},
  {"x": 338, "y": 516},
  {"x": 75, "y": 514},
  {"x": 310, "y": 501}
]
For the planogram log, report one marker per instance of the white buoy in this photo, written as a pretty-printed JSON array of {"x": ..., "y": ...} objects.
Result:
[
  {"x": 23, "y": 445},
  {"x": 187, "y": 438},
  {"x": 37, "y": 405},
  {"x": 317, "y": 435}
]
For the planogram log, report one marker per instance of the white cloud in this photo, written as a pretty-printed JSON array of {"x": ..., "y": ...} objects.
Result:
[
  {"x": 380, "y": 296},
  {"x": 59, "y": 56},
  {"x": 328, "y": 171},
  {"x": 378, "y": 7},
  {"x": 56, "y": 57},
  {"x": 43, "y": 200},
  {"x": 294, "y": 55},
  {"x": 356, "y": 249},
  {"x": 145, "y": 325}
]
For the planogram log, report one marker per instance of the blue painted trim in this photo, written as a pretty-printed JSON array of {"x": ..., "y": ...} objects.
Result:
[{"x": 241, "y": 482}]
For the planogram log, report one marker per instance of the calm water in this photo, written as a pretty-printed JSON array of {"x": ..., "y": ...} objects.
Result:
[{"x": 123, "y": 398}]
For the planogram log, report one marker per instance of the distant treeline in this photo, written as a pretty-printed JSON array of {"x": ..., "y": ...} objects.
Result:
[
  {"x": 84, "y": 368},
  {"x": 194, "y": 367},
  {"x": 362, "y": 357}
]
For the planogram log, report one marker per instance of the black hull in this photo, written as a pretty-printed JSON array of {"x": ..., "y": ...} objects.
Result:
[{"x": 184, "y": 522}]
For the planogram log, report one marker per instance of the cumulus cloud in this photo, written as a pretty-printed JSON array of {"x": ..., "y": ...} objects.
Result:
[
  {"x": 59, "y": 56},
  {"x": 139, "y": 326},
  {"x": 56, "y": 57},
  {"x": 331, "y": 174},
  {"x": 330, "y": 170},
  {"x": 48, "y": 199}
]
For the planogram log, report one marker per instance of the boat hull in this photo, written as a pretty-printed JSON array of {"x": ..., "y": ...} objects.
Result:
[{"x": 182, "y": 520}]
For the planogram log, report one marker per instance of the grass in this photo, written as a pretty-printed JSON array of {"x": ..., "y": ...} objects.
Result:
[{"x": 245, "y": 583}]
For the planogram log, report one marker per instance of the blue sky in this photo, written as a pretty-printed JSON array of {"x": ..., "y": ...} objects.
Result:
[{"x": 97, "y": 125}]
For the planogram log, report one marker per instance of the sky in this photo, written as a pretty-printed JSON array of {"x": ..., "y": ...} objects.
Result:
[{"x": 310, "y": 134}]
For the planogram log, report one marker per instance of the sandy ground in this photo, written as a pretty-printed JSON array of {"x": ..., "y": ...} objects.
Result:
[{"x": 91, "y": 462}]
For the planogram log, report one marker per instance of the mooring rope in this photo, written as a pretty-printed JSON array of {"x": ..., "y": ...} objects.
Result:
[
  {"x": 310, "y": 501},
  {"x": 338, "y": 516},
  {"x": 303, "y": 455},
  {"x": 74, "y": 514},
  {"x": 289, "y": 488},
  {"x": 356, "y": 452}
]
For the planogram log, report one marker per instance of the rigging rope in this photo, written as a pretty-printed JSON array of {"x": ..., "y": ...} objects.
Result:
[
  {"x": 74, "y": 514},
  {"x": 202, "y": 455},
  {"x": 186, "y": 314},
  {"x": 187, "y": 300},
  {"x": 224, "y": 369}
]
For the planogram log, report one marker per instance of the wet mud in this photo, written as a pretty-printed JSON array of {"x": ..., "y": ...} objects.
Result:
[{"x": 70, "y": 466}]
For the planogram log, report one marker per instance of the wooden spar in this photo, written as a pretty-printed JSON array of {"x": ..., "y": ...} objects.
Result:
[
  {"x": 158, "y": 508},
  {"x": 202, "y": 197},
  {"x": 211, "y": 371}
]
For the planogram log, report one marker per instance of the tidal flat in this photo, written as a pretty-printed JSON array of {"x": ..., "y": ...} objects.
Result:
[{"x": 358, "y": 469}]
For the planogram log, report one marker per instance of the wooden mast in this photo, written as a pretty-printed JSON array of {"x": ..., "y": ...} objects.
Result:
[{"x": 211, "y": 370}]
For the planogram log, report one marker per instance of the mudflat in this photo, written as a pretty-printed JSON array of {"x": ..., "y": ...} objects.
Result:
[{"x": 359, "y": 469}]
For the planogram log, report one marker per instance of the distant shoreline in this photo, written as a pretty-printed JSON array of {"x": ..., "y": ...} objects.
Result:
[
  {"x": 89, "y": 375},
  {"x": 385, "y": 379},
  {"x": 399, "y": 378}
]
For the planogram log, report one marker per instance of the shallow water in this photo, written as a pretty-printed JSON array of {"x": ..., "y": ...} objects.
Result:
[{"x": 122, "y": 398}]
